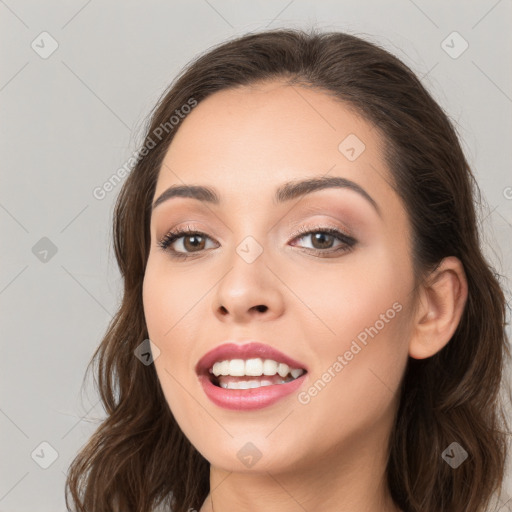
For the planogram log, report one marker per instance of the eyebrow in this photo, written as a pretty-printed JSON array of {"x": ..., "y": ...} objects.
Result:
[{"x": 284, "y": 193}]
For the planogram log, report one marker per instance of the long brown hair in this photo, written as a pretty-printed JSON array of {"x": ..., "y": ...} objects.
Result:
[{"x": 139, "y": 458}]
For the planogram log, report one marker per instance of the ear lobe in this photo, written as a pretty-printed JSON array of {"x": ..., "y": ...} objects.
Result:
[{"x": 442, "y": 299}]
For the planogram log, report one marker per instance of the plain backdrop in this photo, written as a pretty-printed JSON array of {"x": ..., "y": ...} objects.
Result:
[{"x": 77, "y": 82}]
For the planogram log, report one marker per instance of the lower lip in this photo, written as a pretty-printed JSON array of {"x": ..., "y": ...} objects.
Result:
[{"x": 249, "y": 399}]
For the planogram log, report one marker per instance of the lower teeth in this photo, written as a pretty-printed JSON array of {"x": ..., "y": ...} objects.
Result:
[{"x": 250, "y": 384}]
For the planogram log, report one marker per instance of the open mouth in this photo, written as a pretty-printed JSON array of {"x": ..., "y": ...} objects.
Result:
[
  {"x": 252, "y": 373},
  {"x": 250, "y": 376}
]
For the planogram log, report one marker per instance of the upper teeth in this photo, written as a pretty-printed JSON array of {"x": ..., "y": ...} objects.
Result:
[{"x": 253, "y": 367}]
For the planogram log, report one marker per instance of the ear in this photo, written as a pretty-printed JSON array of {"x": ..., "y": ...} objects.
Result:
[{"x": 442, "y": 298}]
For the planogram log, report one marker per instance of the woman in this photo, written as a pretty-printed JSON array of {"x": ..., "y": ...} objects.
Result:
[{"x": 298, "y": 240}]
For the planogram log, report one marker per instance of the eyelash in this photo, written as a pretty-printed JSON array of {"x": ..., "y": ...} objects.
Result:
[{"x": 347, "y": 241}]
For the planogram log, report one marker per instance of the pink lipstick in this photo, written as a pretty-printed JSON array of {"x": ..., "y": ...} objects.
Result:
[{"x": 249, "y": 376}]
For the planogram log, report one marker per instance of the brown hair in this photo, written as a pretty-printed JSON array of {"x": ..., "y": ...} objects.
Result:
[{"x": 139, "y": 458}]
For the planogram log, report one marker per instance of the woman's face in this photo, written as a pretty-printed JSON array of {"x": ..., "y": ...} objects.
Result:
[{"x": 341, "y": 308}]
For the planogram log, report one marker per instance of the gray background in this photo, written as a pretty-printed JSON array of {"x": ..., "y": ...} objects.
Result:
[{"x": 70, "y": 120}]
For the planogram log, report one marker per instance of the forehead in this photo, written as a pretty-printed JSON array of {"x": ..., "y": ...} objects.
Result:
[{"x": 248, "y": 140}]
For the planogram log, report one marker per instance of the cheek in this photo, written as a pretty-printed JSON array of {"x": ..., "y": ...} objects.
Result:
[
  {"x": 346, "y": 300},
  {"x": 354, "y": 389},
  {"x": 171, "y": 321},
  {"x": 170, "y": 317},
  {"x": 169, "y": 303},
  {"x": 361, "y": 354}
]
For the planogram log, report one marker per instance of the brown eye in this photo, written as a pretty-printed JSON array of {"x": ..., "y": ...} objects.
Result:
[
  {"x": 193, "y": 242},
  {"x": 323, "y": 239},
  {"x": 185, "y": 241}
]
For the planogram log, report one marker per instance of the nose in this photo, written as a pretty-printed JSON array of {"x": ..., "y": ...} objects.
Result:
[{"x": 248, "y": 292}]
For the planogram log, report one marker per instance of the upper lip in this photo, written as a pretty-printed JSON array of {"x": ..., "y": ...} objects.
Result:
[{"x": 228, "y": 351}]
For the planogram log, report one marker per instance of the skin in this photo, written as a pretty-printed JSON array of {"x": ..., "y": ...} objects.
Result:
[{"x": 328, "y": 454}]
